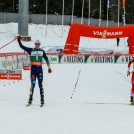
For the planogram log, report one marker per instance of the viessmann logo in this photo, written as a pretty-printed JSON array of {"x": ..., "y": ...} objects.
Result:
[{"x": 106, "y": 33}]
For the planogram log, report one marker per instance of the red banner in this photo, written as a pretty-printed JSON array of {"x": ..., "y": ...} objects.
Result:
[
  {"x": 26, "y": 67},
  {"x": 123, "y": 3},
  {"x": 8, "y": 76},
  {"x": 78, "y": 30}
]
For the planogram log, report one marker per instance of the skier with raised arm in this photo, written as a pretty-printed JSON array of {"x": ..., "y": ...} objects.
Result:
[
  {"x": 128, "y": 73},
  {"x": 36, "y": 56}
]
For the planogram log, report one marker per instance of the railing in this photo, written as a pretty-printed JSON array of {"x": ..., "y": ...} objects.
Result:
[{"x": 11, "y": 61}]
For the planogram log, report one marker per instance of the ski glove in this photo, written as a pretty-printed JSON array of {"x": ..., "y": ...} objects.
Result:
[
  {"x": 18, "y": 37},
  {"x": 128, "y": 73},
  {"x": 49, "y": 69}
]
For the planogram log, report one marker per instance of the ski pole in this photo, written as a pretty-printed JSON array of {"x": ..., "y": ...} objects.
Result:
[
  {"x": 8, "y": 43},
  {"x": 76, "y": 84},
  {"x": 124, "y": 76}
]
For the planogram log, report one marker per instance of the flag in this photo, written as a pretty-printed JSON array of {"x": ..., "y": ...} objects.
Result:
[
  {"x": 123, "y": 3},
  {"x": 123, "y": 19},
  {"x": 107, "y": 3}
]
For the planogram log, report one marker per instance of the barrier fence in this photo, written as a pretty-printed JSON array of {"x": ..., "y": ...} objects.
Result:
[
  {"x": 12, "y": 61},
  {"x": 54, "y": 19}
]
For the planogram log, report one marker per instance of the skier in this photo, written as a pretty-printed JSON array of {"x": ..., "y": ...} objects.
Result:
[
  {"x": 36, "y": 55},
  {"x": 128, "y": 73}
]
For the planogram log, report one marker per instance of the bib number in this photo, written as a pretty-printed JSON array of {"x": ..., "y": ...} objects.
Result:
[{"x": 36, "y": 57}]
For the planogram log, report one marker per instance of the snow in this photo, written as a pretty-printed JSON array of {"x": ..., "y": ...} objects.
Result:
[
  {"x": 99, "y": 105},
  {"x": 104, "y": 44},
  {"x": 54, "y": 38}
]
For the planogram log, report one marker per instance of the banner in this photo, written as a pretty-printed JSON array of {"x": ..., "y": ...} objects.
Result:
[
  {"x": 52, "y": 59},
  {"x": 72, "y": 59},
  {"x": 9, "y": 63},
  {"x": 99, "y": 59},
  {"x": 14, "y": 62},
  {"x": 21, "y": 59},
  {"x": 26, "y": 66},
  {"x": 123, "y": 3},
  {"x": 2, "y": 63},
  {"x": 122, "y": 59},
  {"x": 11, "y": 74},
  {"x": 123, "y": 19},
  {"x": 107, "y": 3},
  {"x": 78, "y": 30}
]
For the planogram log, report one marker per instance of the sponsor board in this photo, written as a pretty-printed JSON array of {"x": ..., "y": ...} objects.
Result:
[
  {"x": 122, "y": 59},
  {"x": 11, "y": 74},
  {"x": 9, "y": 63},
  {"x": 106, "y": 33},
  {"x": 100, "y": 59},
  {"x": 26, "y": 67},
  {"x": 72, "y": 59},
  {"x": 14, "y": 62},
  {"x": 2, "y": 63},
  {"x": 52, "y": 59}
]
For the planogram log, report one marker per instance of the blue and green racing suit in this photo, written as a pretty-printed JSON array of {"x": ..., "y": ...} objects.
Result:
[{"x": 36, "y": 57}]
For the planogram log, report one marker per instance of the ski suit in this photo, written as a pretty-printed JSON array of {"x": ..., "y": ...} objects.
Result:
[
  {"x": 36, "y": 66},
  {"x": 129, "y": 64}
]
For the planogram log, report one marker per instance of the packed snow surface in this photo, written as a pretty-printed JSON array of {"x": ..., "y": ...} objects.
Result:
[
  {"x": 99, "y": 104},
  {"x": 100, "y": 100}
]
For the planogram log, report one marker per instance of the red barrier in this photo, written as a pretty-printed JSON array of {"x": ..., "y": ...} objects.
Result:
[
  {"x": 54, "y": 54},
  {"x": 12, "y": 54}
]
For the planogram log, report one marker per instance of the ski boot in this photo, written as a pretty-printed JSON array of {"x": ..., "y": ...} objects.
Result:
[
  {"x": 131, "y": 100},
  {"x": 42, "y": 101},
  {"x": 30, "y": 101}
]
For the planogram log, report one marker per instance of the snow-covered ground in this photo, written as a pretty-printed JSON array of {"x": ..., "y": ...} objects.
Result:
[
  {"x": 54, "y": 38},
  {"x": 99, "y": 104}
]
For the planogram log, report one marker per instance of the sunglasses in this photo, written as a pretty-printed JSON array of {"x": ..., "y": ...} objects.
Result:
[{"x": 37, "y": 43}]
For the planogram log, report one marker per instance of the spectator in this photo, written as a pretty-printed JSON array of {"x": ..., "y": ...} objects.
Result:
[
  {"x": 128, "y": 42},
  {"x": 118, "y": 40}
]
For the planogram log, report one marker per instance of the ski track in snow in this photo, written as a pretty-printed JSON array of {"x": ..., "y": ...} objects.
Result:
[{"x": 100, "y": 103}]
